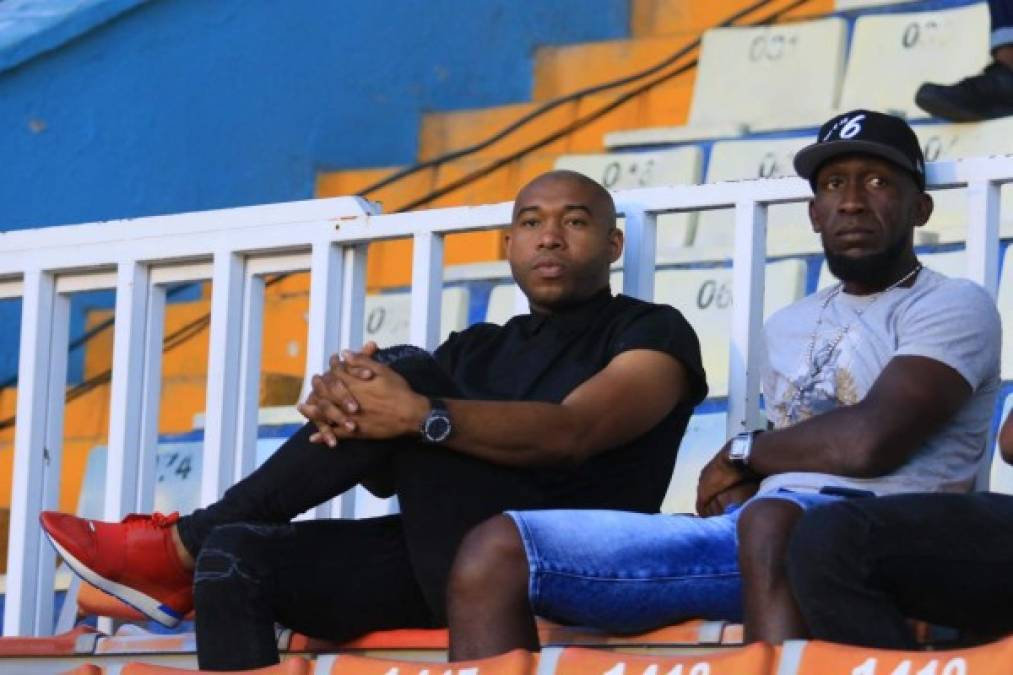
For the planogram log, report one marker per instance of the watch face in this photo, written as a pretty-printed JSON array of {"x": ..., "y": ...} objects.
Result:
[{"x": 437, "y": 428}]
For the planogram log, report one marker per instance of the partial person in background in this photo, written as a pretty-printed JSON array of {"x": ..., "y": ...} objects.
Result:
[
  {"x": 861, "y": 568},
  {"x": 581, "y": 403},
  {"x": 984, "y": 96}
]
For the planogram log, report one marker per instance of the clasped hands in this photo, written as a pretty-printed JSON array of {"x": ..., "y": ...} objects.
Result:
[
  {"x": 358, "y": 397},
  {"x": 723, "y": 484}
]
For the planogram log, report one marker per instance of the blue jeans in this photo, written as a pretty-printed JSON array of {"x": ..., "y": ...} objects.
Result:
[{"x": 630, "y": 572}]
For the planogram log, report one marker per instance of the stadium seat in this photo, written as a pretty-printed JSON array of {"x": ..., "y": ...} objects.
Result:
[
  {"x": 621, "y": 171},
  {"x": 824, "y": 658},
  {"x": 704, "y": 296},
  {"x": 789, "y": 231},
  {"x": 892, "y": 54},
  {"x": 387, "y": 315},
  {"x": 943, "y": 142},
  {"x": 517, "y": 662},
  {"x": 81, "y": 640},
  {"x": 788, "y": 228},
  {"x": 756, "y": 659},
  {"x": 705, "y": 434},
  {"x": 292, "y": 665},
  {"x": 130, "y": 639},
  {"x": 84, "y": 669},
  {"x": 950, "y": 263},
  {"x": 686, "y": 633},
  {"x": 745, "y": 77}
]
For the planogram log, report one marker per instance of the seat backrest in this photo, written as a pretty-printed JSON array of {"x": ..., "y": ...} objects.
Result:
[
  {"x": 892, "y": 54},
  {"x": 751, "y": 75},
  {"x": 788, "y": 229},
  {"x": 704, "y": 296},
  {"x": 943, "y": 142},
  {"x": 387, "y": 315},
  {"x": 824, "y": 658},
  {"x": 623, "y": 170},
  {"x": 756, "y": 659},
  {"x": 517, "y": 662}
]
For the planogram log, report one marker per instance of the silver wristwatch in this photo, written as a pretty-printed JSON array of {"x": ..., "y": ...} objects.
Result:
[{"x": 740, "y": 448}]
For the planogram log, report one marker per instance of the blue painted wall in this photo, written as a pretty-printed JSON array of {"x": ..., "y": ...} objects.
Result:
[{"x": 181, "y": 105}]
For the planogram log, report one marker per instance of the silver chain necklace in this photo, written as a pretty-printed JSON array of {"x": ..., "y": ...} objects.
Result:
[{"x": 816, "y": 364}]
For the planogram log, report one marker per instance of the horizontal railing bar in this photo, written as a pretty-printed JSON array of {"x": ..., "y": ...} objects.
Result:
[{"x": 89, "y": 281}]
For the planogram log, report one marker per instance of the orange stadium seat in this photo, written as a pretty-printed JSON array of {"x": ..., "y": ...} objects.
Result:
[
  {"x": 83, "y": 669},
  {"x": 80, "y": 640},
  {"x": 517, "y": 662},
  {"x": 756, "y": 659},
  {"x": 292, "y": 665},
  {"x": 825, "y": 658}
]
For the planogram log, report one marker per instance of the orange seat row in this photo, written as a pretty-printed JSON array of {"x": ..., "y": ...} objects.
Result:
[{"x": 793, "y": 658}]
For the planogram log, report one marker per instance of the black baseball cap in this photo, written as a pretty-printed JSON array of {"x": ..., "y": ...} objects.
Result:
[{"x": 864, "y": 132}]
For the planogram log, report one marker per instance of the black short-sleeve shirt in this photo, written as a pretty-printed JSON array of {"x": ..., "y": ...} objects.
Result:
[{"x": 543, "y": 358}]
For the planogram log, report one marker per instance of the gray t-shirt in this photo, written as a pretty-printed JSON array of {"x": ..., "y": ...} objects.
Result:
[{"x": 953, "y": 321}]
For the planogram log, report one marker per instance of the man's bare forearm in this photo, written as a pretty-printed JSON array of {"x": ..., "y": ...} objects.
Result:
[{"x": 519, "y": 433}]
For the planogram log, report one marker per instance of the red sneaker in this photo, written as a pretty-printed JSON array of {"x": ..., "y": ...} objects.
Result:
[{"x": 135, "y": 561}]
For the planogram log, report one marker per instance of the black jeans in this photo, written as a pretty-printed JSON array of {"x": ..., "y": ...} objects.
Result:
[
  {"x": 338, "y": 579},
  {"x": 859, "y": 567}
]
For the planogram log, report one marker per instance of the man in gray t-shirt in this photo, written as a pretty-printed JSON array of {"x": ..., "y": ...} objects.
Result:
[{"x": 882, "y": 384}]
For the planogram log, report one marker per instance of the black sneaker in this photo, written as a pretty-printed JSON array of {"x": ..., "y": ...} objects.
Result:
[{"x": 979, "y": 97}]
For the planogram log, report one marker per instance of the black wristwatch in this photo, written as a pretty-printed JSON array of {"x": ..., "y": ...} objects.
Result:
[{"x": 436, "y": 426}]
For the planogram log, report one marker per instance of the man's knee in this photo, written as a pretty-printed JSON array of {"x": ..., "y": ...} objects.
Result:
[
  {"x": 764, "y": 529},
  {"x": 490, "y": 557},
  {"x": 237, "y": 554},
  {"x": 825, "y": 543}
]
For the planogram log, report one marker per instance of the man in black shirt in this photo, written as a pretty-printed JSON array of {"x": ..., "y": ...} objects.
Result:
[{"x": 581, "y": 403}]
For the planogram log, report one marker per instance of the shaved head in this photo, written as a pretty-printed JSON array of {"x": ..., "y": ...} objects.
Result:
[
  {"x": 562, "y": 239},
  {"x": 600, "y": 200}
]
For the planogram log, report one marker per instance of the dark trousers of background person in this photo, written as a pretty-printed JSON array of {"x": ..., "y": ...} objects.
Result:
[
  {"x": 338, "y": 579},
  {"x": 1001, "y": 12},
  {"x": 860, "y": 567}
]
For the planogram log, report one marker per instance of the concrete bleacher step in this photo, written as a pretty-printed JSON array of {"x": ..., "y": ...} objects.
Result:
[
  {"x": 747, "y": 75},
  {"x": 564, "y": 69},
  {"x": 670, "y": 17},
  {"x": 389, "y": 262},
  {"x": 892, "y": 54}
]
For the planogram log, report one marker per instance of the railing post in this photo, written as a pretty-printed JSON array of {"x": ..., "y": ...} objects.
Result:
[
  {"x": 427, "y": 290},
  {"x": 37, "y": 443},
  {"x": 983, "y": 234},
  {"x": 749, "y": 264},
  {"x": 640, "y": 253},
  {"x": 151, "y": 394},
  {"x": 248, "y": 386},
  {"x": 221, "y": 419},
  {"x": 127, "y": 391}
]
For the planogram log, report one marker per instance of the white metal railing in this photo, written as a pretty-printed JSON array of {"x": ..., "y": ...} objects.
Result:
[{"x": 236, "y": 248}]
